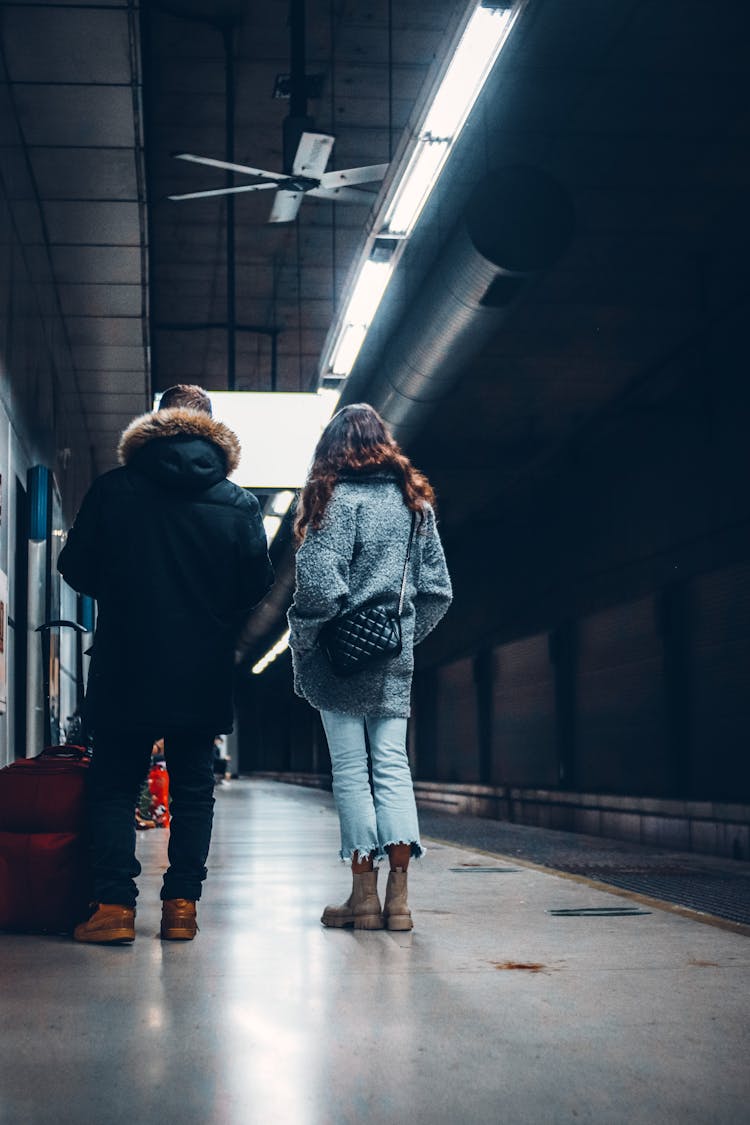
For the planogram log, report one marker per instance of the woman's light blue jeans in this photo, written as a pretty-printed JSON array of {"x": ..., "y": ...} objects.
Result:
[{"x": 371, "y": 819}]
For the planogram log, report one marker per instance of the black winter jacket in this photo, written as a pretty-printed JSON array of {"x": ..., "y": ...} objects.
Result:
[{"x": 176, "y": 557}]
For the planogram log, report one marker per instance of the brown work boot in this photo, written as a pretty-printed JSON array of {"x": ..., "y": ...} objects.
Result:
[
  {"x": 362, "y": 909},
  {"x": 110, "y": 924},
  {"x": 396, "y": 910},
  {"x": 178, "y": 922}
]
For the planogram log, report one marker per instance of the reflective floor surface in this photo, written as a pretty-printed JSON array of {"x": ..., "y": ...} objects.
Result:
[{"x": 492, "y": 1010}]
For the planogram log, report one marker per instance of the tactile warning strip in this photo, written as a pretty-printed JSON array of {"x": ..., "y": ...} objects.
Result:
[{"x": 718, "y": 887}]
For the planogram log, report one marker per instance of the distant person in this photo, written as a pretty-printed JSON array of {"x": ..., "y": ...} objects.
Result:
[
  {"x": 176, "y": 557},
  {"x": 221, "y": 762},
  {"x": 357, "y": 511}
]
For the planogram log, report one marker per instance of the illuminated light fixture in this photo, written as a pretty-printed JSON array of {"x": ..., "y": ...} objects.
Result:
[
  {"x": 281, "y": 503},
  {"x": 278, "y": 432},
  {"x": 421, "y": 174},
  {"x": 462, "y": 83},
  {"x": 271, "y": 525},
  {"x": 360, "y": 311},
  {"x": 277, "y": 509},
  {"x": 480, "y": 44},
  {"x": 331, "y": 396},
  {"x": 467, "y": 71},
  {"x": 351, "y": 340},
  {"x": 270, "y": 656}
]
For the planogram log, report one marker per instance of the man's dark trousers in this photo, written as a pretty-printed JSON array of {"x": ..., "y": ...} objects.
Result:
[{"x": 119, "y": 767}]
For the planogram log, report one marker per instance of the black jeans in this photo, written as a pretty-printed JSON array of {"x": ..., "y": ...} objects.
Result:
[{"x": 118, "y": 769}]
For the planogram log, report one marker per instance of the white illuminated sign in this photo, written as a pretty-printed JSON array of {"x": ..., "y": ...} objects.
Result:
[{"x": 278, "y": 433}]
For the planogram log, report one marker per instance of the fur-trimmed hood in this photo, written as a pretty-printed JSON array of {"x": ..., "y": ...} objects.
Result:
[{"x": 179, "y": 423}]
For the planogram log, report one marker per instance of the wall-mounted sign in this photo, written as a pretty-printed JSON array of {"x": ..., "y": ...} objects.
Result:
[{"x": 278, "y": 433}]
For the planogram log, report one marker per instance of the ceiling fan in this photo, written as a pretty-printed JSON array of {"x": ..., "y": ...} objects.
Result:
[{"x": 308, "y": 177}]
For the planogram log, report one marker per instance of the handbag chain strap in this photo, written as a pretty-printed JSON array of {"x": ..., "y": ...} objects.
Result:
[{"x": 406, "y": 563}]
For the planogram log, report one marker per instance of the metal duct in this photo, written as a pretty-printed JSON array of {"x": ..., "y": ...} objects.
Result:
[{"x": 518, "y": 221}]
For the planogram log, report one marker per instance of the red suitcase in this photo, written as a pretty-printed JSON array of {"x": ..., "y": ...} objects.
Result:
[{"x": 44, "y": 877}]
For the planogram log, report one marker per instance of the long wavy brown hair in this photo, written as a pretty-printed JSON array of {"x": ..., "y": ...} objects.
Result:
[{"x": 356, "y": 440}]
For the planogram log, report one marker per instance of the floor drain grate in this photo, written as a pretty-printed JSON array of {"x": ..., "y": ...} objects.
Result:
[
  {"x": 706, "y": 884},
  {"x": 598, "y": 912}
]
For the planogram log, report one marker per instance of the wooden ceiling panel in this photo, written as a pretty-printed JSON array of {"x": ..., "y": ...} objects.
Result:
[{"x": 285, "y": 275}]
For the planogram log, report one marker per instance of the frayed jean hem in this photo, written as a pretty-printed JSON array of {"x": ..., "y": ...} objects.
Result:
[{"x": 380, "y": 853}]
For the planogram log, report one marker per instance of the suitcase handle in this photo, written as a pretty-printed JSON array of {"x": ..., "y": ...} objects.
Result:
[
  {"x": 56, "y": 624},
  {"x": 78, "y": 753},
  {"x": 44, "y": 632}
]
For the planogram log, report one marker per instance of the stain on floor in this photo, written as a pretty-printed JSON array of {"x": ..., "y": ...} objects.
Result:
[{"x": 521, "y": 966}]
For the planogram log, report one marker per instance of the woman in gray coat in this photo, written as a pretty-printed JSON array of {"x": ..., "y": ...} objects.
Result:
[{"x": 359, "y": 504}]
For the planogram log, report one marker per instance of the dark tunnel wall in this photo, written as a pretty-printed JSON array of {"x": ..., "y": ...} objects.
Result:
[
  {"x": 277, "y": 731},
  {"x": 611, "y": 596},
  {"x": 600, "y": 634}
]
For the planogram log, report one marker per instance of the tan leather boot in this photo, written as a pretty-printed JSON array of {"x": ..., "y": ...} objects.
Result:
[
  {"x": 178, "y": 920},
  {"x": 110, "y": 924},
  {"x": 396, "y": 911},
  {"x": 362, "y": 909}
]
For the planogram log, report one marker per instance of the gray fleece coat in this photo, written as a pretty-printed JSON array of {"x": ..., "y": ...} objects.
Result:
[{"x": 357, "y": 556}]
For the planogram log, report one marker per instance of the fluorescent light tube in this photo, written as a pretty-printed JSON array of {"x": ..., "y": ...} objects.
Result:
[
  {"x": 347, "y": 349},
  {"x": 270, "y": 656},
  {"x": 281, "y": 503},
  {"x": 367, "y": 293},
  {"x": 271, "y": 525},
  {"x": 463, "y": 80},
  {"x": 359, "y": 313},
  {"x": 467, "y": 73},
  {"x": 476, "y": 53},
  {"x": 418, "y": 181}
]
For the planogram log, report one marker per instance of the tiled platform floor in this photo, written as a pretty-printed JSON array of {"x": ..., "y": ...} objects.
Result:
[{"x": 492, "y": 1010}]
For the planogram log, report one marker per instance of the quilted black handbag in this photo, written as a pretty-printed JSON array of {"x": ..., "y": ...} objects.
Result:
[{"x": 353, "y": 641}]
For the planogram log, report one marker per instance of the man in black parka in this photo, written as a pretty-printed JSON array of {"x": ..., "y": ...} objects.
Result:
[{"x": 176, "y": 557}]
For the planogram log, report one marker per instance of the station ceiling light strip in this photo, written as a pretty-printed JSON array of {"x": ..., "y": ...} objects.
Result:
[
  {"x": 270, "y": 656},
  {"x": 278, "y": 507},
  {"x": 476, "y": 53},
  {"x": 480, "y": 44}
]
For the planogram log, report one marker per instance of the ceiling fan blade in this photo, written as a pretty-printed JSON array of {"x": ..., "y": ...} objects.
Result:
[
  {"x": 228, "y": 167},
  {"x": 225, "y": 191},
  {"x": 343, "y": 195},
  {"x": 285, "y": 206},
  {"x": 312, "y": 155},
  {"x": 344, "y": 176}
]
